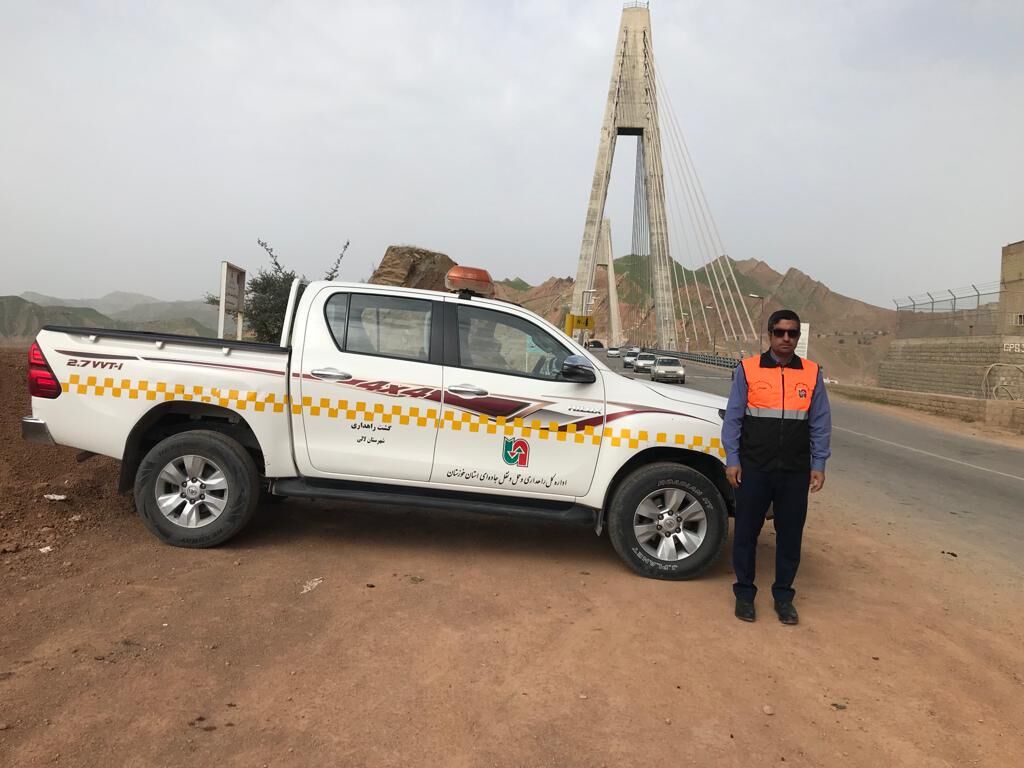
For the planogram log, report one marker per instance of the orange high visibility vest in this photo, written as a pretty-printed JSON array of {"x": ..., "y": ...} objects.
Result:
[
  {"x": 777, "y": 392},
  {"x": 776, "y": 426}
]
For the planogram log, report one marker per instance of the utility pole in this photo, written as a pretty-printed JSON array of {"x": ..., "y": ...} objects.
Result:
[
  {"x": 761, "y": 315},
  {"x": 714, "y": 334}
]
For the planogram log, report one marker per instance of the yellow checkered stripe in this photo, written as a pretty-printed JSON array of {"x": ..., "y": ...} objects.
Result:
[
  {"x": 368, "y": 412},
  {"x": 412, "y": 415},
  {"x": 161, "y": 391},
  {"x": 616, "y": 437}
]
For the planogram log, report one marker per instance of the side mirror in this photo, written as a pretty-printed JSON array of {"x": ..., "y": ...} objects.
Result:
[{"x": 577, "y": 368}]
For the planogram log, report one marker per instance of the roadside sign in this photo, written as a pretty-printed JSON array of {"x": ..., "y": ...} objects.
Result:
[
  {"x": 232, "y": 296},
  {"x": 805, "y": 335},
  {"x": 578, "y": 323}
]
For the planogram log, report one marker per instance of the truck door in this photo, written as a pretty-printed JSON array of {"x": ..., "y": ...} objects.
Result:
[
  {"x": 509, "y": 421},
  {"x": 368, "y": 384}
]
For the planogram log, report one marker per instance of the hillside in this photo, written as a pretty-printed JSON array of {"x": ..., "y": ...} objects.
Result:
[
  {"x": 172, "y": 312},
  {"x": 111, "y": 303},
  {"x": 849, "y": 337},
  {"x": 136, "y": 308},
  {"x": 20, "y": 321}
]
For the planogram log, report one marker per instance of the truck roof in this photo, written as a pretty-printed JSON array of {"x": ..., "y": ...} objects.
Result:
[{"x": 403, "y": 291}]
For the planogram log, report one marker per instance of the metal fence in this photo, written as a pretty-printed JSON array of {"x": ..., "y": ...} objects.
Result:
[
  {"x": 979, "y": 310},
  {"x": 720, "y": 361}
]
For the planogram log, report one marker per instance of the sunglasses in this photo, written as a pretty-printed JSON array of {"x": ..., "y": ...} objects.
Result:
[{"x": 778, "y": 333}]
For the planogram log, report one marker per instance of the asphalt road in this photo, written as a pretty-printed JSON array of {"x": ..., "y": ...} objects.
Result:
[{"x": 963, "y": 491}]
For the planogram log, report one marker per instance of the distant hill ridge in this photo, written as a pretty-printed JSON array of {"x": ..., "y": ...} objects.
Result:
[
  {"x": 20, "y": 320},
  {"x": 135, "y": 308}
]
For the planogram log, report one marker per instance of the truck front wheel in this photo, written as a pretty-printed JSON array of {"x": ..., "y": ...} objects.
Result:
[
  {"x": 196, "y": 489},
  {"x": 668, "y": 521}
]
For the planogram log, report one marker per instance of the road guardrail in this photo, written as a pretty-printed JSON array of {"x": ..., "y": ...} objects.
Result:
[{"x": 719, "y": 361}]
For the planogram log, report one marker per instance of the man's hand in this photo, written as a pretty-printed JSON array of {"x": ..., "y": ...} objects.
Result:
[
  {"x": 735, "y": 476},
  {"x": 817, "y": 480}
]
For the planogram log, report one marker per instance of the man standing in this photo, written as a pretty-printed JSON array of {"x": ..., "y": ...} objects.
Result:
[{"x": 776, "y": 435}]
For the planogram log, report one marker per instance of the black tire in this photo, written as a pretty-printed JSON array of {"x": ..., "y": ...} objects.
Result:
[
  {"x": 651, "y": 478},
  {"x": 683, "y": 380},
  {"x": 242, "y": 495}
]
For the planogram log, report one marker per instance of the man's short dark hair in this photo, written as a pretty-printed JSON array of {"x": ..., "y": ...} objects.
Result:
[{"x": 782, "y": 314}]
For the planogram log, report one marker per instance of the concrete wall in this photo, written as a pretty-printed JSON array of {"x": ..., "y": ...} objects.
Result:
[
  {"x": 1008, "y": 414},
  {"x": 951, "y": 366},
  {"x": 1012, "y": 284}
]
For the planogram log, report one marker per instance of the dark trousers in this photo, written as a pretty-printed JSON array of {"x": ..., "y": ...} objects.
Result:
[{"x": 787, "y": 491}]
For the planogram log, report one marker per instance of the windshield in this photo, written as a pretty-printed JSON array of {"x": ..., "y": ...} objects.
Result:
[
  {"x": 645, "y": 356},
  {"x": 669, "y": 362}
]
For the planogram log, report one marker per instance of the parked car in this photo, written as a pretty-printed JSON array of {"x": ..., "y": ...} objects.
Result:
[
  {"x": 396, "y": 397},
  {"x": 668, "y": 369},
  {"x": 614, "y": 352},
  {"x": 644, "y": 361},
  {"x": 629, "y": 358}
]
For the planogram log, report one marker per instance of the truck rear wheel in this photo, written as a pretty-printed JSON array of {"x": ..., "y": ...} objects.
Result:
[
  {"x": 668, "y": 521},
  {"x": 196, "y": 489}
]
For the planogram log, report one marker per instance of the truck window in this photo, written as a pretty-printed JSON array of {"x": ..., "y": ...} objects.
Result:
[
  {"x": 501, "y": 343},
  {"x": 389, "y": 326},
  {"x": 336, "y": 312}
]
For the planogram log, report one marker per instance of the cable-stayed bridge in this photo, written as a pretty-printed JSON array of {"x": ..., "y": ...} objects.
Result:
[{"x": 687, "y": 296}]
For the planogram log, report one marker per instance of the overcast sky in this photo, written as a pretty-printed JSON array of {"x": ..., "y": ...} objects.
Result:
[{"x": 877, "y": 146}]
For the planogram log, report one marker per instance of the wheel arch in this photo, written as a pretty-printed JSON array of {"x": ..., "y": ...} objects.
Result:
[
  {"x": 707, "y": 465},
  {"x": 174, "y": 417}
]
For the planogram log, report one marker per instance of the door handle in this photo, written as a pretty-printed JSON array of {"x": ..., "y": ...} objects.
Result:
[
  {"x": 467, "y": 389},
  {"x": 330, "y": 374}
]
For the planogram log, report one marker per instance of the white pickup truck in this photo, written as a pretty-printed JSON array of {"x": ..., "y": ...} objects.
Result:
[{"x": 395, "y": 396}]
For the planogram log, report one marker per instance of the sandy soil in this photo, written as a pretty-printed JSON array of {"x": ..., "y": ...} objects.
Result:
[{"x": 345, "y": 636}]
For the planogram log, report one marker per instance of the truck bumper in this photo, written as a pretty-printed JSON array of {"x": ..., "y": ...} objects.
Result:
[{"x": 35, "y": 431}]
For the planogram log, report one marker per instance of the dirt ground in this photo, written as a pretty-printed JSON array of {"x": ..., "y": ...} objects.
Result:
[{"x": 332, "y": 635}]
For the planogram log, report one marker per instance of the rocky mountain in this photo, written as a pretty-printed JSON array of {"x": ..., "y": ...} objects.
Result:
[{"x": 412, "y": 267}]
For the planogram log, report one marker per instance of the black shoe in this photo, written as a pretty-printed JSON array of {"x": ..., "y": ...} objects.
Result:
[
  {"x": 745, "y": 609},
  {"x": 787, "y": 613}
]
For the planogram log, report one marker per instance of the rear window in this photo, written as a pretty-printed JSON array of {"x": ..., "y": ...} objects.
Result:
[{"x": 385, "y": 326}]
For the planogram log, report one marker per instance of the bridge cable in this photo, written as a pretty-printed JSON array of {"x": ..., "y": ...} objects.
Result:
[
  {"x": 714, "y": 225},
  {"x": 702, "y": 242}
]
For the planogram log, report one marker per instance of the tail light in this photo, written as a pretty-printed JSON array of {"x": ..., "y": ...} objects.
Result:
[{"x": 41, "y": 381}]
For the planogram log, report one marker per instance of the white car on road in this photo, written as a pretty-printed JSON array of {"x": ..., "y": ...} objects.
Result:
[
  {"x": 668, "y": 369},
  {"x": 643, "y": 362}
]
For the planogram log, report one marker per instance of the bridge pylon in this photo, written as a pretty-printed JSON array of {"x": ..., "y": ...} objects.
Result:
[{"x": 632, "y": 110}]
